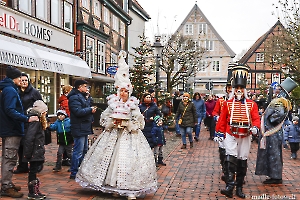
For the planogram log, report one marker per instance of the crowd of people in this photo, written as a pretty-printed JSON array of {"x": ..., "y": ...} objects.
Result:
[{"x": 130, "y": 148}]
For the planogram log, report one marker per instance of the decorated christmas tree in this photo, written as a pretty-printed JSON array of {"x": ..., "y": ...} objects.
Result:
[{"x": 143, "y": 69}]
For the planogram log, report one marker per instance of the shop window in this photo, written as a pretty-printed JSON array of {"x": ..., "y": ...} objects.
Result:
[
  {"x": 25, "y": 6},
  {"x": 90, "y": 55},
  {"x": 56, "y": 12},
  {"x": 101, "y": 56},
  {"x": 68, "y": 16},
  {"x": 45, "y": 85},
  {"x": 41, "y": 9}
]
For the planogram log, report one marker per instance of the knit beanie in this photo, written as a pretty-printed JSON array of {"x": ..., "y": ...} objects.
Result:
[
  {"x": 79, "y": 82},
  {"x": 12, "y": 72},
  {"x": 40, "y": 106},
  {"x": 157, "y": 118},
  {"x": 61, "y": 112}
]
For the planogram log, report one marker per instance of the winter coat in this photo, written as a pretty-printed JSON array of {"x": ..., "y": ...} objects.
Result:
[
  {"x": 29, "y": 96},
  {"x": 63, "y": 131},
  {"x": 64, "y": 104},
  {"x": 200, "y": 108},
  {"x": 189, "y": 118},
  {"x": 210, "y": 105},
  {"x": 34, "y": 139},
  {"x": 11, "y": 110},
  {"x": 291, "y": 132},
  {"x": 158, "y": 135},
  {"x": 149, "y": 111},
  {"x": 80, "y": 114}
]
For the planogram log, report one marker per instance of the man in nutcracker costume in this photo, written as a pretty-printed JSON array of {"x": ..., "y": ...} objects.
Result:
[
  {"x": 216, "y": 114},
  {"x": 238, "y": 120}
]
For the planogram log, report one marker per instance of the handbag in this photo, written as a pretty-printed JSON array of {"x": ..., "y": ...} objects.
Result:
[{"x": 180, "y": 120}]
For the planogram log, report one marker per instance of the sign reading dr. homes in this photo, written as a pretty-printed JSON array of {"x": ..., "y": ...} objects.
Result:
[{"x": 27, "y": 27}]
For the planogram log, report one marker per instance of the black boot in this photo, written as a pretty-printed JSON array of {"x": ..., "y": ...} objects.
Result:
[
  {"x": 160, "y": 161},
  {"x": 32, "y": 190},
  {"x": 57, "y": 167},
  {"x": 156, "y": 164},
  {"x": 230, "y": 165},
  {"x": 222, "y": 153},
  {"x": 240, "y": 175},
  {"x": 38, "y": 189}
]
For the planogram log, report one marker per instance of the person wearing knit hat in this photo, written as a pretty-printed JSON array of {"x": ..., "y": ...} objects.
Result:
[
  {"x": 81, "y": 117},
  {"x": 12, "y": 72},
  {"x": 33, "y": 147},
  {"x": 62, "y": 126},
  {"x": 121, "y": 154},
  {"x": 159, "y": 140},
  {"x": 28, "y": 95},
  {"x": 11, "y": 129}
]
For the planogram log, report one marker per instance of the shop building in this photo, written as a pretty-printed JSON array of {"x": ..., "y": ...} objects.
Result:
[{"x": 37, "y": 37}]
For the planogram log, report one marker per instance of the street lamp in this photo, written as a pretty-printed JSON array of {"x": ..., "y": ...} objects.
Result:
[{"x": 158, "y": 47}]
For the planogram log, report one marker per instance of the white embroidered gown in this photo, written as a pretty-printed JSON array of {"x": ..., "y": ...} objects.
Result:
[{"x": 120, "y": 160}]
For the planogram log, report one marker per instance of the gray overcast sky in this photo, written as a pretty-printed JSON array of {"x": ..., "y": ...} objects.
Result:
[{"x": 239, "y": 22}]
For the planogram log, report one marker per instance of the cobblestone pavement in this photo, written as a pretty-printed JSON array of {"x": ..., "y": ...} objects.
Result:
[{"x": 190, "y": 174}]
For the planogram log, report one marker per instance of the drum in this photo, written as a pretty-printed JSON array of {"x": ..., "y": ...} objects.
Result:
[{"x": 240, "y": 130}]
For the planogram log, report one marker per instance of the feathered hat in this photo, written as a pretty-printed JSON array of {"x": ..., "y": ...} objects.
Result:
[{"x": 122, "y": 75}]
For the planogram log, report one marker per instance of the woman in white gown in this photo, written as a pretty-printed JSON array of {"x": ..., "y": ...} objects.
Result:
[{"x": 120, "y": 161}]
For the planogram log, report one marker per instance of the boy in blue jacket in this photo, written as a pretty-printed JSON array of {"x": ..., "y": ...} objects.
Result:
[
  {"x": 62, "y": 126},
  {"x": 292, "y": 135},
  {"x": 159, "y": 141}
]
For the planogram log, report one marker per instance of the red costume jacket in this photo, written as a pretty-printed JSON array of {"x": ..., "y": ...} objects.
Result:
[
  {"x": 239, "y": 115},
  {"x": 217, "y": 110}
]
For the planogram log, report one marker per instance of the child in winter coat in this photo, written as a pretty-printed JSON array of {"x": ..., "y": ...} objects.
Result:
[
  {"x": 33, "y": 148},
  {"x": 158, "y": 140},
  {"x": 62, "y": 126},
  {"x": 292, "y": 135}
]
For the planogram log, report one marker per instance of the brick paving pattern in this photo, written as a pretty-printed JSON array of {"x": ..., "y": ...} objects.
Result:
[{"x": 189, "y": 174}]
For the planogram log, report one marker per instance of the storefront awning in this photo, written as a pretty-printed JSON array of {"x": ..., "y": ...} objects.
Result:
[{"x": 24, "y": 54}]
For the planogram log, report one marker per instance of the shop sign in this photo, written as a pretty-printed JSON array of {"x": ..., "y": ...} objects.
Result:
[
  {"x": 15, "y": 59},
  {"x": 112, "y": 70},
  {"x": 21, "y": 25}
]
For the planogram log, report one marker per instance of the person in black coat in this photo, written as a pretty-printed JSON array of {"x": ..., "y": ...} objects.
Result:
[
  {"x": 28, "y": 95},
  {"x": 81, "y": 116},
  {"x": 33, "y": 148},
  {"x": 149, "y": 110}
]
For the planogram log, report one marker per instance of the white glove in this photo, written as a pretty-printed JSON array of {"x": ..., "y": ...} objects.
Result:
[
  {"x": 254, "y": 130},
  {"x": 216, "y": 139}
]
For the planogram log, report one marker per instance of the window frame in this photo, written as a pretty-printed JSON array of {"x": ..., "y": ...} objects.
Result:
[
  {"x": 90, "y": 55},
  {"x": 29, "y": 7},
  {"x": 216, "y": 65},
  {"x": 44, "y": 8},
  {"x": 202, "y": 28},
  {"x": 259, "y": 57},
  {"x": 100, "y": 57},
  {"x": 115, "y": 24},
  {"x": 97, "y": 9},
  {"x": 209, "y": 45},
  {"x": 66, "y": 4},
  {"x": 188, "y": 29},
  {"x": 106, "y": 16},
  {"x": 57, "y": 13}
]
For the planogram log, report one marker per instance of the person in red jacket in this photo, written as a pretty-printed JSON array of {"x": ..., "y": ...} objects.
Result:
[
  {"x": 238, "y": 120},
  {"x": 63, "y": 100}
]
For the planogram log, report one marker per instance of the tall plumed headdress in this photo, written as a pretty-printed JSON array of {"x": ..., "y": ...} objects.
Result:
[
  {"x": 122, "y": 76},
  {"x": 240, "y": 75}
]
